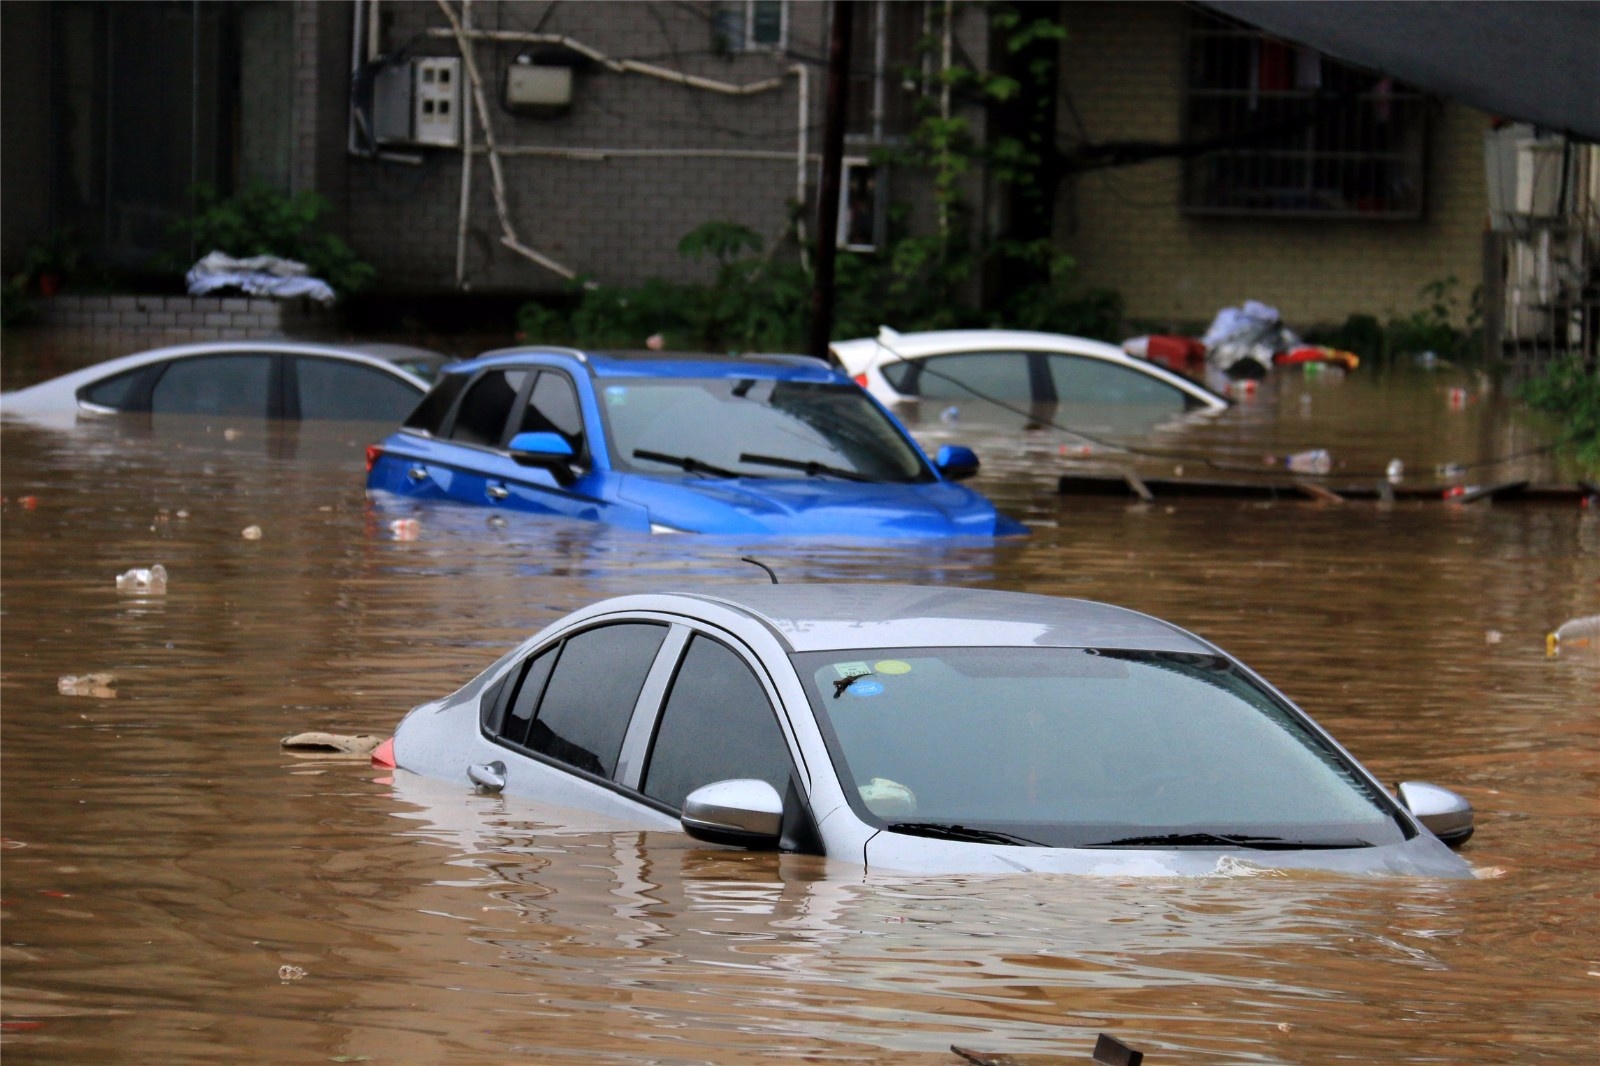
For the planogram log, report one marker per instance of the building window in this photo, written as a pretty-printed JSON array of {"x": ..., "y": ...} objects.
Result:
[
  {"x": 889, "y": 70},
  {"x": 753, "y": 25},
  {"x": 862, "y": 207},
  {"x": 1297, "y": 133}
]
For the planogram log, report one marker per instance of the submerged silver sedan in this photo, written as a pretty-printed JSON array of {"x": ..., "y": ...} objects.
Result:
[{"x": 926, "y": 729}]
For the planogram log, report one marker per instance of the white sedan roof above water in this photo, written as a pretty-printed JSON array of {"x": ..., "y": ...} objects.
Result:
[{"x": 821, "y": 617}]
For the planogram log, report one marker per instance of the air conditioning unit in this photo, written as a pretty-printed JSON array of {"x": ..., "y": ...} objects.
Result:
[{"x": 418, "y": 102}]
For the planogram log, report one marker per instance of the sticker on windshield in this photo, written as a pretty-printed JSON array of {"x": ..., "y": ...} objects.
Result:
[
  {"x": 891, "y": 666},
  {"x": 868, "y": 687},
  {"x": 852, "y": 669},
  {"x": 616, "y": 395}
]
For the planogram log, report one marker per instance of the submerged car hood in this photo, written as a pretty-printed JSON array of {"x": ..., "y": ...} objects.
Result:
[{"x": 816, "y": 505}]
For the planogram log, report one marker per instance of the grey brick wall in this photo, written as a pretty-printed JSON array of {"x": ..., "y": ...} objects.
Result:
[
  {"x": 611, "y": 186},
  {"x": 153, "y": 321}
]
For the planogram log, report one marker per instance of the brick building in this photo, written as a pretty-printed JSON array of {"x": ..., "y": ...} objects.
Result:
[{"x": 507, "y": 146}]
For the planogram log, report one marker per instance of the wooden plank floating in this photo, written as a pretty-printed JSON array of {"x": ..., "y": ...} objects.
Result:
[{"x": 1149, "y": 489}]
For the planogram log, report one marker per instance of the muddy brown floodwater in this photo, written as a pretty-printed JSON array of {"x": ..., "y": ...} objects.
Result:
[{"x": 176, "y": 888}]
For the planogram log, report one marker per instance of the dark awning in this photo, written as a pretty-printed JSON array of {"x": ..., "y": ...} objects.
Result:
[{"x": 1536, "y": 61}]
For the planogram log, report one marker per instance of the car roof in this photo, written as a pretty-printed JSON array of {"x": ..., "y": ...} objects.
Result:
[
  {"x": 828, "y": 617},
  {"x": 62, "y": 391},
  {"x": 634, "y": 364},
  {"x": 930, "y": 342}
]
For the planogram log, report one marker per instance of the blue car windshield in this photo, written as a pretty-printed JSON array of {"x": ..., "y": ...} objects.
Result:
[
  {"x": 754, "y": 427},
  {"x": 1075, "y": 747}
]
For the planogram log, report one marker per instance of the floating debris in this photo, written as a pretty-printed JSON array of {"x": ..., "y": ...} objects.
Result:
[
  {"x": 100, "y": 686},
  {"x": 339, "y": 743},
  {"x": 251, "y": 533},
  {"x": 405, "y": 528},
  {"x": 290, "y": 973},
  {"x": 1574, "y": 633},
  {"x": 144, "y": 582}
]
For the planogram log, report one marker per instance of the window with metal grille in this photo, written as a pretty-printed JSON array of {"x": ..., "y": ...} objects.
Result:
[
  {"x": 889, "y": 70},
  {"x": 1293, "y": 132},
  {"x": 752, "y": 25}
]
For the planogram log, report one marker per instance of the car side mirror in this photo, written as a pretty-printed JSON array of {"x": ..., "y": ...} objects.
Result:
[
  {"x": 743, "y": 813},
  {"x": 548, "y": 451},
  {"x": 1445, "y": 814},
  {"x": 956, "y": 462}
]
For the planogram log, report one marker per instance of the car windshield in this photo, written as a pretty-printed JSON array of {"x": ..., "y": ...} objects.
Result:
[
  {"x": 754, "y": 427},
  {"x": 1078, "y": 747}
]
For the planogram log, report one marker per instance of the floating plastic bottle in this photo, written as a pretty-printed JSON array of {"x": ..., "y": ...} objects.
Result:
[
  {"x": 1574, "y": 633},
  {"x": 143, "y": 582},
  {"x": 1315, "y": 461},
  {"x": 1396, "y": 470}
]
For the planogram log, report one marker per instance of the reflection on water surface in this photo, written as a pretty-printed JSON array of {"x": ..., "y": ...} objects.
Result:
[{"x": 164, "y": 859}]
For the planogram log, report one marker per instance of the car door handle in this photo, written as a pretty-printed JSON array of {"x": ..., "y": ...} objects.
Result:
[
  {"x": 417, "y": 473},
  {"x": 496, "y": 492},
  {"x": 489, "y": 776}
]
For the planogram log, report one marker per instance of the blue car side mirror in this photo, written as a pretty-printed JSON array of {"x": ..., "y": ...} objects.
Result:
[
  {"x": 547, "y": 450},
  {"x": 956, "y": 462}
]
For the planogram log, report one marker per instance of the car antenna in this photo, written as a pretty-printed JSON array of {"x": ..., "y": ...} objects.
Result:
[{"x": 757, "y": 562}]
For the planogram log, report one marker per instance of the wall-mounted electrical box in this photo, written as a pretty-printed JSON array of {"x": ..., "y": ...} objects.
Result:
[
  {"x": 532, "y": 89},
  {"x": 418, "y": 102},
  {"x": 542, "y": 90}
]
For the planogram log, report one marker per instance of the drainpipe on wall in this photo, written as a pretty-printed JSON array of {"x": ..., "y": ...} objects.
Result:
[{"x": 466, "y": 167}]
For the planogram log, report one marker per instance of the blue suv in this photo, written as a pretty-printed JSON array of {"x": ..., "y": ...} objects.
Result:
[{"x": 700, "y": 443}]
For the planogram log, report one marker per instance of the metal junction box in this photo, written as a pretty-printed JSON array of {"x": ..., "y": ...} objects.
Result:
[
  {"x": 538, "y": 89},
  {"x": 418, "y": 102}
]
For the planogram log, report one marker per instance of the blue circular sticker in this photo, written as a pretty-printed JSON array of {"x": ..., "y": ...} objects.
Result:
[{"x": 868, "y": 687}]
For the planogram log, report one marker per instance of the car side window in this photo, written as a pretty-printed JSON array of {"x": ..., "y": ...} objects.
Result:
[
  {"x": 1080, "y": 379},
  {"x": 430, "y": 413},
  {"x": 516, "y": 713},
  {"x": 118, "y": 393},
  {"x": 575, "y": 701},
  {"x": 234, "y": 384},
  {"x": 486, "y": 408},
  {"x": 328, "y": 388},
  {"x": 553, "y": 408},
  {"x": 717, "y": 724},
  {"x": 975, "y": 375}
]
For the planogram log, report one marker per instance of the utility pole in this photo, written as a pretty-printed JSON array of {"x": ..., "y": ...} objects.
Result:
[{"x": 842, "y": 17}]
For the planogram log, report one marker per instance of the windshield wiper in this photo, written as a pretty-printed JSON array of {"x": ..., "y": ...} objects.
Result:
[
  {"x": 688, "y": 464},
  {"x": 845, "y": 682},
  {"x": 946, "y": 831},
  {"x": 1225, "y": 840},
  {"x": 810, "y": 467}
]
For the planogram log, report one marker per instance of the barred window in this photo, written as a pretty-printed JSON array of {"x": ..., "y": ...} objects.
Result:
[
  {"x": 752, "y": 25},
  {"x": 1296, "y": 133}
]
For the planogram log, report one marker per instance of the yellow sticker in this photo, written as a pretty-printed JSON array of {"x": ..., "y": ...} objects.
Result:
[{"x": 891, "y": 666}]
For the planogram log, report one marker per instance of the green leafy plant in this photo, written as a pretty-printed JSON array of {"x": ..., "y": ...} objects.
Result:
[
  {"x": 260, "y": 220},
  {"x": 16, "y": 309},
  {"x": 1570, "y": 390},
  {"x": 1432, "y": 328}
]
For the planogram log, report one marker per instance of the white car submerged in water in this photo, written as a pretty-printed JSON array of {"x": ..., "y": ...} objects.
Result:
[{"x": 926, "y": 729}]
